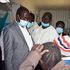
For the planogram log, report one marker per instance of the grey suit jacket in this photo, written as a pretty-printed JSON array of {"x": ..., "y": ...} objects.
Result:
[{"x": 15, "y": 47}]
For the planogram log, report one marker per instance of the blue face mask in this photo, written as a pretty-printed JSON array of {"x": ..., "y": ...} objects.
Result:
[
  {"x": 23, "y": 23},
  {"x": 29, "y": 25},
  {"x": 45, "y": 24},
  {"x": 59, "y": 30}
]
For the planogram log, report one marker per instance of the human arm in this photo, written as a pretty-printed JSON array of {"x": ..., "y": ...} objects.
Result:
[
  {"x": 8, "y": 49},
  {"x": 33, "y": 58}
]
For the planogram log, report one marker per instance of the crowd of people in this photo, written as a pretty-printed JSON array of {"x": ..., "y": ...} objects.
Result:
[{"x": 29, "y": 45}]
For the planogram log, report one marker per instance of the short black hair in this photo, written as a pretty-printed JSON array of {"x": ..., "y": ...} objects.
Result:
[
  {"x": 53, "y": 56},
  {"x": 21, "y": 10},
  {"x": 32, "y": 15},
  {"x": 60, "y": 22},
  {"x": 47, "y": 14}
]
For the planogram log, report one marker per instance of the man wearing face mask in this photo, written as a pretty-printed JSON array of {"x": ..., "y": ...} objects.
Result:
[
  {"x": 32, "y": 25},
  {"x": 17, "y": 41},
  {"x": 31, "y": 20},
  {"x": 60, "y": 25},
  {"x": 46, "y": 32}
]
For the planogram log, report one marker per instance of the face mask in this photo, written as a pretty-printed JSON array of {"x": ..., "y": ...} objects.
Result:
[
  {"x": 29, "y": 25},
  {"x": 59, "y": 30},
  {"x": 23, "y": 23},
  {"x": 45, "y": 24}
]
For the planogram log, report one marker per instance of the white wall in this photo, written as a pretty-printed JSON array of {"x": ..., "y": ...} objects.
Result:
[
  {"x": 28, "y": 4},
  {"x": 63, "y": 15},
  {"x": 14, "y": 9}
]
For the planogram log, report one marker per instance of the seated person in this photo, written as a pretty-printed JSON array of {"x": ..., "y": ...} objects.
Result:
[{"x": 50, "y": 59}]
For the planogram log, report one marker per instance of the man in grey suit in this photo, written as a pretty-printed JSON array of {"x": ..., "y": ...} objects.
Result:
[{"x": 15, "y": 46}]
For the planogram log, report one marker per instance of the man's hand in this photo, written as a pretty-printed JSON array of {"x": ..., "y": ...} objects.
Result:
[{"x": 39, "y": 49}]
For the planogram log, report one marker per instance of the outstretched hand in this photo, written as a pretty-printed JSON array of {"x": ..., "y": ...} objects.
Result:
[{"x": 39, "y": 48}]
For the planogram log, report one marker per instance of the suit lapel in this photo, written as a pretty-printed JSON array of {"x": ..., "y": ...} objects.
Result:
[{"x": 19, "y": 31}]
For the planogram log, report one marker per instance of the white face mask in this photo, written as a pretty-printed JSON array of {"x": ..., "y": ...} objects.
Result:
[
  {"x": 45, "y": 24},
  {"x": 29, "y": 25},
  {"x": 59, "y": 30},
  {"x": 23, "y": 23}
]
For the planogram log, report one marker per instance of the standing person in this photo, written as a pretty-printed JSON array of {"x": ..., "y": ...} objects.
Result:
[
  {"x": 32, "y": 25},
  {"x": 31, "y": 20},
  {"x": 60, "y": 26},
  {"x": 46, "y": 32},
  {"x": 4, "y": 14},
  {"x": 17, "y": 41}
]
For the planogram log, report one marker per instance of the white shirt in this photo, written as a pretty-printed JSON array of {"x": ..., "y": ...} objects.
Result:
[
  {"x": 41, "y": 35},
  {"x": 34, "y": 27},
  {"x": 27, "y": 37}
]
